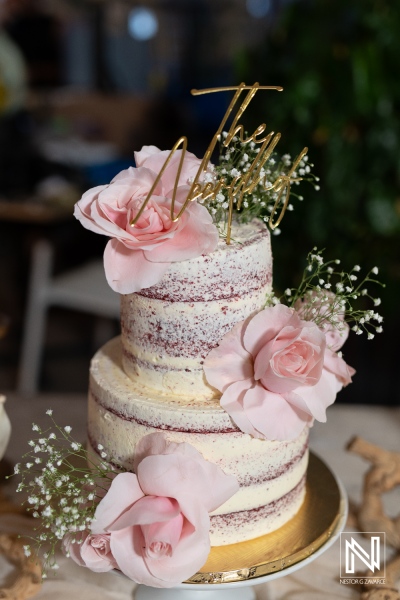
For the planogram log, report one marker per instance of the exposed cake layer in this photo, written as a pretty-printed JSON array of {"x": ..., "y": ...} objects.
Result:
[
  {"x": 120, "y": 414},
  {"x": 168, "y": 329},
  {"x": 258, "y": 521}
]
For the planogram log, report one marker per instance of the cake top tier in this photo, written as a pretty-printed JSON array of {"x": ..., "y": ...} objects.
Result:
[
  {"x": 170, "y": 328},
  {"x": 231, "y": 270}
]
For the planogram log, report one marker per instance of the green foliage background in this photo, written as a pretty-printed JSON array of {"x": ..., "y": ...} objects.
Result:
[{"x": 339, "y": 63}]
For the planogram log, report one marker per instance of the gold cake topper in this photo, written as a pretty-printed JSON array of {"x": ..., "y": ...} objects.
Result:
[{"x": 243, "y": 183}]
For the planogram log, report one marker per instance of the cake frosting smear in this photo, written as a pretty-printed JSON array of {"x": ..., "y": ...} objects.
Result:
[{"x": 213, "y": 380}]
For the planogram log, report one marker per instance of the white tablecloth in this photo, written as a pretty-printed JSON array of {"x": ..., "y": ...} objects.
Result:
[{"x": 317, "y": 581}]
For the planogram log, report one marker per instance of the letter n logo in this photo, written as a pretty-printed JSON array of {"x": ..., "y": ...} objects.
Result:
[{"x": 373, "y": 558}]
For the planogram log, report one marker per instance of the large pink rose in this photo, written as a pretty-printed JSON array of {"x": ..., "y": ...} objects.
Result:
[
  {"x": 157, "y": 520},
  {"x": 272, "y": 374},
  {"x": 138, "y": 256}
]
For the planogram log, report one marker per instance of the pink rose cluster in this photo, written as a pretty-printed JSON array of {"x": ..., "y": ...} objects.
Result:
[
  {"x": 277, "y": 373},
  {"x": 138, "y": 256},
  {"x": 154, "y": 525}
]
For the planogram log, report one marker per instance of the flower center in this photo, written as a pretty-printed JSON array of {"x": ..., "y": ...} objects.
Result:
[{"x": 159, "y": 550}]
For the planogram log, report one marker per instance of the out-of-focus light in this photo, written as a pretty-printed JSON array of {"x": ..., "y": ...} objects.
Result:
[
  {"x": 142, "y": 23},
  {"x": 258, "y": 8}
]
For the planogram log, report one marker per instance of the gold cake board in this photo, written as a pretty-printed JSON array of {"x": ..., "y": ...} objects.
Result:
[{"x": 321, "y": 515}]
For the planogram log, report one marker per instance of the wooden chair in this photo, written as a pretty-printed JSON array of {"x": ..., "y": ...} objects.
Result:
[{"x": 83, "y": 289}]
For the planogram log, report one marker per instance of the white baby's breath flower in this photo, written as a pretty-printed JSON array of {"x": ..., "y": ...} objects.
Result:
[
  {"x": 375, "y": 270},
  {"x": 67, "y": 429}
]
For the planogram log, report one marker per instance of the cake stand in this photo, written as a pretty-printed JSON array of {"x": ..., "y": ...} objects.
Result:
[{"x": 231, "y": 571}]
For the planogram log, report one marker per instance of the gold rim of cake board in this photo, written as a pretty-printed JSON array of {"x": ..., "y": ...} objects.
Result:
[{"x": 298, "y": 539}]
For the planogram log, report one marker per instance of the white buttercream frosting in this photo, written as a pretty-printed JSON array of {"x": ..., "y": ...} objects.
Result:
[
  {"x": 151, "y": 379},
  {"x": 168, "y": 330},
  {"x": 121, "y": 413}
]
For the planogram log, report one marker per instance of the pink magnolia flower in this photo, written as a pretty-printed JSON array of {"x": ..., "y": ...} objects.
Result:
[
  {"x": 157, "y": 520},
  {"x": 138, "y": 256},
  {"x": 272, "y": 374}
]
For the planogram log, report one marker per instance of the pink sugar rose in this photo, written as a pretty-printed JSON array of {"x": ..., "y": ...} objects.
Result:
[
  {"x": 157, "y": 520},
  {"x": 138, "y": 256},
  {"x": 272, "y": 374}
]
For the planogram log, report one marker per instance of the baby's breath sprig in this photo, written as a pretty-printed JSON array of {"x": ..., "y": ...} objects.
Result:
[
  {"x": 234, "y": 162},
  {"x": 326, "y": 296},
  {"x": 63, "y": 487}
]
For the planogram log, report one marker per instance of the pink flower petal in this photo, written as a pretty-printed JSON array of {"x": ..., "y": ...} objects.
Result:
[
  {"x": 124, "y": 491},
  {"x": 154, "y": 159},
  {"x": 157, "y": 444},
  {"x": 265, "y": 325},
  {"x": 147, "y": 510},
  {"x": 197, "y": 234},
  {"x": 272, "y": 415},
  {"x": 96, "y": 554},
  {"x": 232, "y": 401},
  {"x": 128, "y": 270},
  {"x": 229, "y": 362},
  {"x": 315, "y": 399},
  {"x": 146, "y": 152},
  {"x": 127, "y": 548},
  {"x": 336, "y": 365},
  {"x": 161, "y": 539},
  {"x": 140, "y": 179},
  {"x": 298, "y": 362},
  {"x": 179, "y": 476},
  {"x": 287, "y": 335},
  {"x": 189, "y": 555}
]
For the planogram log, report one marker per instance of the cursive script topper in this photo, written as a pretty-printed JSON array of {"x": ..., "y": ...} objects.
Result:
[{"x": 244, "y": 183}]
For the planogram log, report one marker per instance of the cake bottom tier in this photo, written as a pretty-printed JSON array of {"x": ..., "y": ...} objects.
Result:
[{"x": 271, "y": 474}]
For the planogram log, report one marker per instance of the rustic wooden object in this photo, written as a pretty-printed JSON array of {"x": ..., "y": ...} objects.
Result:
[
  {"x": 27, "y": 580},
  {"x": 383, "y": 476}
]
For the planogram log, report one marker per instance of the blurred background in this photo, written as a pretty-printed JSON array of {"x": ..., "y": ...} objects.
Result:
[{"x": 84, "y": 83}]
